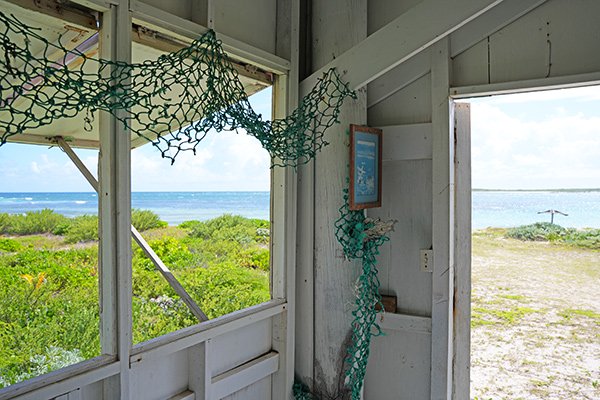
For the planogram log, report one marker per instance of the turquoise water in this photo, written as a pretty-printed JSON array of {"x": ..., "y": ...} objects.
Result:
[
  {"x": 506, "y": 209},
  {"x": 498, "y": 209},
  {"x": 173, "y": 207}
]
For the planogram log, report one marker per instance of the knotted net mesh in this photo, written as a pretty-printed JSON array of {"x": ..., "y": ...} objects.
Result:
[
  {"x": 360, "y": 238},
  {"x": 174, "y": 101}
]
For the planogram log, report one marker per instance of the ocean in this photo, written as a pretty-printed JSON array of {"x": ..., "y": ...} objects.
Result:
[
  {"x": 502, "y": 209},
  {"x": 490, "y": 208},
  {"x": 173, "y": 207}
]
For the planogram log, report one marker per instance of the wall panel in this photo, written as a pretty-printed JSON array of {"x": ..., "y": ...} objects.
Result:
[
  {"x": 407, "y": 199},
  {"x": 556, "y": 39},
  {"x": 259, "y": 390},
  {"x": 237, "y": 347},
  {"x": 253, "y": 22},
  {"x": 399, "y": 366},
  {"x": 411, "y": 105},
  {"x": 160, "y": 378},
  {"x": 381, "y": 12}
]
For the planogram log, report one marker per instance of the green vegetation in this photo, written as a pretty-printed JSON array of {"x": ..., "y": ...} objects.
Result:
[
  {"x": 144, "y": 220},
  {"x": 571, "y": 312},
  {"x": 32, "y": 222},
  {"x": 83, "y": 228},
  {"x": 488, "y": 316},
  {"x": 49, "y": 288},
  {"x": 545, "y": 231}
]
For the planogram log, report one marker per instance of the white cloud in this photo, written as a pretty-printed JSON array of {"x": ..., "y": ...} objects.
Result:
[
  {"x": 562, "y": 150},
  {"x": 224, "y": 161},
  {"x": 585, "y": 93}
]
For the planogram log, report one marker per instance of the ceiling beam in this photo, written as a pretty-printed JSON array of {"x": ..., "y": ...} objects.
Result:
[
  {"x": 404, "y": 37},
  {"x": 461, "y": 40},
  {"x": 26, "y": 138}
]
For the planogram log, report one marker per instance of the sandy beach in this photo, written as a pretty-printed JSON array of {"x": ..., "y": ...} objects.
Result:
[{"x": 535, "y": 320}]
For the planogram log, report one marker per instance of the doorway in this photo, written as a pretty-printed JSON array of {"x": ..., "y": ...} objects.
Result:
[{"x": 534, "y": 313}]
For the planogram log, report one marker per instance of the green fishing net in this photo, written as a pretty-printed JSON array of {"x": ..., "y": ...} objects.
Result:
[
  {"x": 360, "y": 238},
  {"x": 174, "y": 101}
]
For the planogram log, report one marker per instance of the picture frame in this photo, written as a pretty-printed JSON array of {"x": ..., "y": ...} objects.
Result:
[{"x": 365, "y": 167}]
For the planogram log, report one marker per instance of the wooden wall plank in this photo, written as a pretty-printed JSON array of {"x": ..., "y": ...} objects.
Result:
[
  {"x": 404, "y": 322},
  {"x": 198, "y": 373},
  {"x": 462, "y": 253},
  {"x": 245, "y": 375},
  {"x": 382, "y": 12},
  {"x": 254, "y": 22},
  {"x": 406, "y": 199},
  {"x": 460, "y": 40},
  {"x": 411, "y": 105},
  {"x": 407, "y": 378},
  {"x": 259, "y": 390},
  {"x": 443, "y": 225},
  {"x": 408, "y": 34},
  {"x": 240, "y": 346},
  {"x": 160, "y": 379},
  {"x": 337, "y": 26},
  {"x": 407, "y": 142},
  {"x": 558, "y": 38}
]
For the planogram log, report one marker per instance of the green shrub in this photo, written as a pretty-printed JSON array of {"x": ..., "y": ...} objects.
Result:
[
  {"x": 43, "y": 221},
  {"x": 188, "y": 224},
  {"x": 587, "y": 238},
  {"x": 545, "y": 231},
  {"x": 9, "y": 245},
  {"x": 5, "y": 222},
  {"x": 170, "y": 250},
  {"x": 540, "y": 231},
  {"x": 255, "y": 258},
  {"x": 82, "y": 229},
  {"x": 146, "y": 219},
  {"x": 231, "y": 228}
]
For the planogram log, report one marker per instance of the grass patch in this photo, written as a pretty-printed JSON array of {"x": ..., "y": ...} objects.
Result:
[
  {"x": 516, "y": 297},
  {"x": 505, "y": 316},
  {"x": 571, "y": 312}
]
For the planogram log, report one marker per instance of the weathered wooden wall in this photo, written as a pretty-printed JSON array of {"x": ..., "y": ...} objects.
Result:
[
  {"x": 336, "y": 27},
  {"x": 557, "y": 45}
]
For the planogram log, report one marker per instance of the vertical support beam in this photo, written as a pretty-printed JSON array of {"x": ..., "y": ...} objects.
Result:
[
  {"x": 283, "y": 210},
  {"x": 337, "y": 25},
  {"x": 461, "y": 378},
  {"x": 443, "y": 224},
  {"x": 114, "y": 200},
  {"x": 199, "y": 373},
  {"x": 305, "y": 229}
]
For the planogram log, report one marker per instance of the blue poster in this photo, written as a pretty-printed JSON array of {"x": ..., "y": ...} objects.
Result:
[{"x": 366, "y": 174}]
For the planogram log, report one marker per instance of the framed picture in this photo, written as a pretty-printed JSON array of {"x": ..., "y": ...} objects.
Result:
[{"x": 365, "y": 167}]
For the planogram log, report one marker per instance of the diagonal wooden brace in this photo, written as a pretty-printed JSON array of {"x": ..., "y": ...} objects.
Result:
[{"x": 162, "y": 268}]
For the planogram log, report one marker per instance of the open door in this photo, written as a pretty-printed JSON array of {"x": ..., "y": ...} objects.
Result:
[{"x": 462, "y": 252}]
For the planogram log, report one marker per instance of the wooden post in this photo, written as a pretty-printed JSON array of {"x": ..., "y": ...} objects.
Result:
[
  {"x": 114, "y": 201},
  {"x": 283, "y": 207},
  {"x": 337, "y": 26},
  {"x": 443, "y": 224}
]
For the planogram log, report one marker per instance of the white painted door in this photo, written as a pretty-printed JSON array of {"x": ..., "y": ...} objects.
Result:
[{"x": 462, "y": 252}]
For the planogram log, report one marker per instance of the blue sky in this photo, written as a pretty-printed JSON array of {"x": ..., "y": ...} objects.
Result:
[
  {"x": 525, "y": 141},
  {"x": 224, "y": 161}
]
